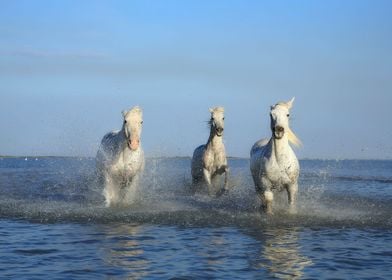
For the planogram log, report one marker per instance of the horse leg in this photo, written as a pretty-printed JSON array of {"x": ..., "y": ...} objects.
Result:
[
  {"x": 267, "y": 198},
  {"x": 225, "y": 188},
  {"x": 194, "y": 186},
  {"x": 226, "y": 178},
  {"x": 292, "y": 191},
  {"x": 131, "y": 190},
  {"x": 266, "y": 195},
  {"x": 195, "y": 181},
  {"x": 110, "y": 191},
  {"x": 207, "y": 178},
  {"x": 216, "y": 180}
]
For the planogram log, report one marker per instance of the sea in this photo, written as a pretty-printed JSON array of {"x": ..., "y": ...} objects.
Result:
[{"x": 54, "y": 225}]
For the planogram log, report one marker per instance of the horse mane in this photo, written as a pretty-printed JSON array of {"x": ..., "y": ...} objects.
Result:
[
  {"x": 293, "y": 138},
  {"x": 209, "y": 123}
]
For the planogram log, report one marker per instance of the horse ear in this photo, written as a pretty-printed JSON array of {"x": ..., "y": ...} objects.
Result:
[
  {"x": 290, "y": 103},
  {"x": 123, "y": 113}
]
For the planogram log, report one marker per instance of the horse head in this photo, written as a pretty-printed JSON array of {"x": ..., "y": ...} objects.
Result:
[
  {"x": 132, "y": 126},
  {"x": 216, "y": 122},
  {"x": 280, "y": 117}
]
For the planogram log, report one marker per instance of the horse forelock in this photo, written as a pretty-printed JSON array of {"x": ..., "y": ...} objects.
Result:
[
  {"x": 281, "y": 103},
  {"x": 218, "y": 109},
  {"x": 134, "y": 111}
]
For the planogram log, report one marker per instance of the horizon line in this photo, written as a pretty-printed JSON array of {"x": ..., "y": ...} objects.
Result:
[{"x": 188, "y": 157}]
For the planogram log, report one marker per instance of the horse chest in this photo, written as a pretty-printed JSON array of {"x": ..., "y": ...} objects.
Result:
[
  {"x": 127, "y": 164},
  {"x": 281, "y": 173},
  {"x": 214, "y": 160}
]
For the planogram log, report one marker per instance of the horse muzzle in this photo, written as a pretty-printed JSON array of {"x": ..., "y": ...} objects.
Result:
[
  {"x": 133, "y": 144},
  {"x": 219, "y": 131},
  {"x": 278, "y": 132}
]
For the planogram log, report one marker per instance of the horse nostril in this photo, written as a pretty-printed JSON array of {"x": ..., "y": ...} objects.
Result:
[{"x": 279, "y": 128}]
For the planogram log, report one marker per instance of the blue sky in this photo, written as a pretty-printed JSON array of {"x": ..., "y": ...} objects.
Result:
[{"x": 68, "y": 69}]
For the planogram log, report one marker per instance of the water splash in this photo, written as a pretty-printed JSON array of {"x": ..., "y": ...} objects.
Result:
[{"x": 67, "y": 190}]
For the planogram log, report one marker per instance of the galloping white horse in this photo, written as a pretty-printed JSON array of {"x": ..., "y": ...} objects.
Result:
[
  {"x": 120, "y": 159},
  {"x": 209, "y": 160},
  {"x": 273, "y": 163}
]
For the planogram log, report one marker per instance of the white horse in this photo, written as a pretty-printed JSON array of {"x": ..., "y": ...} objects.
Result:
[
  {"x": 273, "y": 163},
  {"x": 120, "y": 160},
  {"x": 209, "y": 160}
]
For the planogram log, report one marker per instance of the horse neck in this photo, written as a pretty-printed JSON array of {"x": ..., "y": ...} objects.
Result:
[
  {"x": 121, "y": 139},
  {"x": 122, "y": 136},
  {"x": 280, "y": 148},
  {"x": 214, "y": 141}
]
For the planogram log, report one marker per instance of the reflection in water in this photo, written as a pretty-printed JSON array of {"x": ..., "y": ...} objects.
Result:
[
  {"x": 124, "y": 252},
  {"x": 131, "y": 251},
  {"x": 214, "y": 254},
  {"x": 280, "y": 254}
]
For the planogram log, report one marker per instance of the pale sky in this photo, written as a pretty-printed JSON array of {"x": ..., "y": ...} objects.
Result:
[{"x": 68, "y": 69}]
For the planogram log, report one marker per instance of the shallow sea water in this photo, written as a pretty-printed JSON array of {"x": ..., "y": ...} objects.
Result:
[{"x": 53, "y": 224}]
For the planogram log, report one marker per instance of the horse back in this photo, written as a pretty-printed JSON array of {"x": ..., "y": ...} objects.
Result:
[
  {"x": 108, "y": 148},
  {"x": 198, "y": 152},
  {"x": 109, "y": 137},
  {"x": 256, "y": 154},
  {"x": 259, "y": 146}
]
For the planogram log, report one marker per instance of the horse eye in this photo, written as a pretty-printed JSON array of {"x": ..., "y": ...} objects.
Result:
[
  {"x": 125, "y": 121},
  {"x": 288, "y": 115},
  {"x": 223, "y": 118},
  {"x": 141, "y": 122}
]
